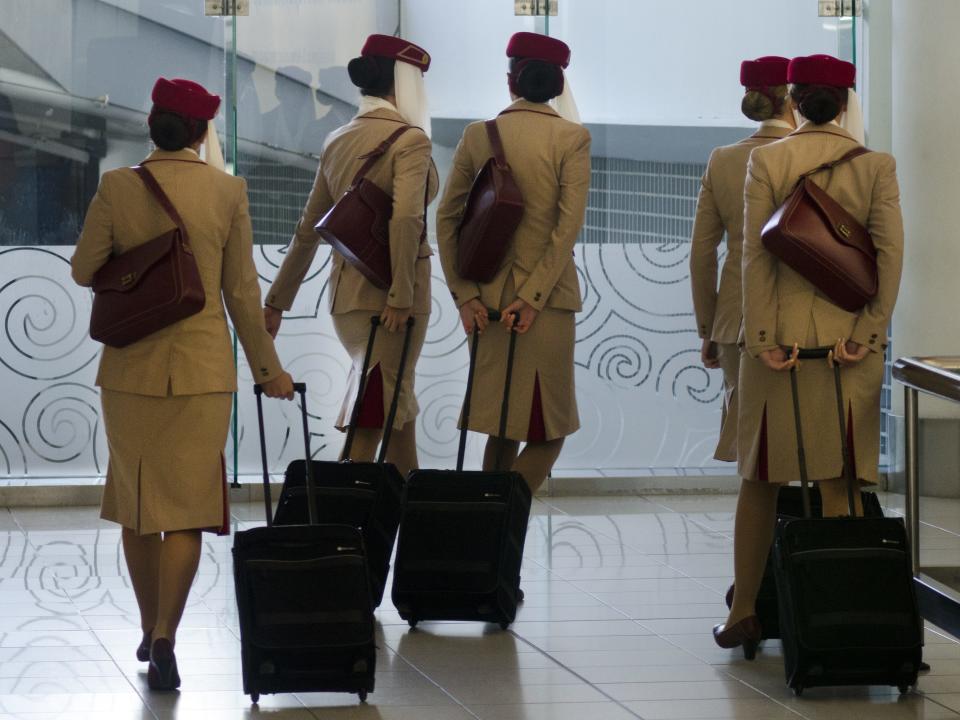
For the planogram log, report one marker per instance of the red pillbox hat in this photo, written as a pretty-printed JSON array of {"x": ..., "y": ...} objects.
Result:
[
  {"x": 822, "y": 70},
  {"x": 389, "y": 46},
  {"x": 767, "y": 71},
  {"x": 185, "y": 97},
  {"x": 533, "y": 46}
]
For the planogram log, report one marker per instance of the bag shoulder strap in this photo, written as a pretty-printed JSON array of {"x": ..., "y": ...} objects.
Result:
[
  {"x": 379, "y": 151},
  {"x": 856, "y": 152},
  {"x": 496, "y": 144},
  {"x": 154, "y": 187}
]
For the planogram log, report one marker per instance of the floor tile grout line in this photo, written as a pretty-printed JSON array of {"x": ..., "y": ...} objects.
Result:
[
  {"x": 656, "y": 634},
  {"x": 932, "y": 698},
  {"x": 396, "y": 651},
  {"x": 626, "y": 545},
  {"x": 116, "y": 664},
  {"x": 548, "y": 655},
  {"x": 666, "y": 640}
]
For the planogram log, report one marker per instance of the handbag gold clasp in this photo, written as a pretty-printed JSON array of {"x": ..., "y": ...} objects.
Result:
[
  {"x": 843, "y": 230},
  {"x": 128, "y": 279}
]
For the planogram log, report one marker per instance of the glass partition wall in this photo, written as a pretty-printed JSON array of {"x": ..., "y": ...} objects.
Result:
[{"x": 655, "y": 100}]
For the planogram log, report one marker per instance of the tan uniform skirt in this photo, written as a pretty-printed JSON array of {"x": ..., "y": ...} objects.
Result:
[
  {"x": 166, "y": 469},
  {"x": 353, "y": 329},
  {"x": 544, "y": 360},
  {"x": 729, "y": 356},
  {"x": 766, "y": 425}
]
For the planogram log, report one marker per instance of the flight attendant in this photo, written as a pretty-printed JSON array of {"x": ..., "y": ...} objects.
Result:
[
  {"x": 783, "y": 311},
  {"x": 167, "y": 397},
  {"x": 719, "y": 214},
  {"x": 389, "y": 73},
  {"x": 548, "y": 151}
]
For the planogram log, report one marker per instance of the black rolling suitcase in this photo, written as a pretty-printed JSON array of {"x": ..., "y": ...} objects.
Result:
[
  {"x": 790, "y": 505},
  {"x": 304, "y": 603},
  {"x": 363, "y": 494},
  {"x": 461, "y": 537},
  {"x": 848, "y": 610}
]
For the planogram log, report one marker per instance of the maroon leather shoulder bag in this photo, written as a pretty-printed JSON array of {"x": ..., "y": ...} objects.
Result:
[
  {"x": 493, "y": 210},
  {"x": 813, "y": 234},
  {"x": 358, "y": 225},
  {"x": 148, "y": 287}
]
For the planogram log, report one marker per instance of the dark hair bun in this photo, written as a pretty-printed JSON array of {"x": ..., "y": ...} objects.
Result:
[
  {"x": 539, "y": 81},
  {"x": 372, "y": 73},
  {"x": 818, "y": 103},
  {"x": 763, "y": 104},
  {"x": 172, "y": 132}
]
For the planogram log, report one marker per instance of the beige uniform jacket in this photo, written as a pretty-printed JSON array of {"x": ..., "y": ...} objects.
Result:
[
  {"x": 550, "y": 161},
  {"x": 194, "y": 355},
  {"x": 405, "y": 172},
  {"x": 720, "y": 210},
  {"x": 780, "y": 306}
]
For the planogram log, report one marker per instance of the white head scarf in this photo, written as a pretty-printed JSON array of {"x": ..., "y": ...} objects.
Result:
[
  {"x": 212, "y": 153},
  {"x": 564, "y": 103},
  {"x": 411, "y": 95},
  {"x": 852, "y": 119}
]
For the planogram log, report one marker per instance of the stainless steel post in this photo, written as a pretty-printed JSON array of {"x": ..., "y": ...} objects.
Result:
[{"x": 912, "y": 452}]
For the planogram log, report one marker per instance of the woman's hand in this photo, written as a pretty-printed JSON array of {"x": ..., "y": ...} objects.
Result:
[
  {"x": 525, "y": 313},
  {"x": 708, "y": 354},
  {"x": 279, "y": 387},
  {"x": 474, "y": 313},
  {"x": 272, "y": 317},
  {"x": 778, "y": 361},
  {"x": 847, "y": 352},
  {"x": 394, "y": 318}
]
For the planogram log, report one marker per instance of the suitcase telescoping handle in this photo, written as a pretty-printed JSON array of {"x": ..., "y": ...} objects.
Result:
[
  {"x": 300, "y": 388},
  {"x": 821, "y": 354},
  {"x": 493, "y": 316},
  {"x": 361, "y": 386}
]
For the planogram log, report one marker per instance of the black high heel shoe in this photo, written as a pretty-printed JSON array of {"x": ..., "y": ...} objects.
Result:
[
  {"x": 143, "y": 649},
  {"x": 162, "y": 673},
  {"x": 745, "y": 633}
]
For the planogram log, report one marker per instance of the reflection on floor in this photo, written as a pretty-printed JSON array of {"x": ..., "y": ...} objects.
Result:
[{"x": 621, "y": 594}]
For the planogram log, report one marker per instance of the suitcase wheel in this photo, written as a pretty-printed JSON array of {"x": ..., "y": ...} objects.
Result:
[
  {"x": 504, "y": 625},
  {"x": 362, "y": 694},
  {"x": 904, "y": 689},
  {"x": 798, "y": 690},
  {"x": 255, "y": 697},
  {"x": 412, "y": 622}
]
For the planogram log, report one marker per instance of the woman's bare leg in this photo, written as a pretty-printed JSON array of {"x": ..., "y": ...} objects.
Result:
[
  {"x": 179, "y": 559},
  {"x": 752, "y": 536},
  {"x": 142, "y": 555}
]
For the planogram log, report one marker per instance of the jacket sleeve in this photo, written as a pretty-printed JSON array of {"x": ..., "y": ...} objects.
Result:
[
  {"x": 411, "y": 169},
  {"x": 885, "y": 224},
  {"x": 707, "y": 235},
  {"x": 759, "y": 266},
  {"x": 241, "y": 293},
  {"x": 574, "y": 191},
  {"x": 302, "y": 248},
  {"x": 96, "y": 239},
  {"x": 449, "y": 214}
]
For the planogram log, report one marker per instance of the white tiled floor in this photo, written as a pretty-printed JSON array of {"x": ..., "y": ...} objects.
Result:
[{"x": 621, "y": 595}]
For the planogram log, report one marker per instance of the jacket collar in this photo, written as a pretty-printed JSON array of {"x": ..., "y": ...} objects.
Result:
[
  {"x": 184, "y": 155},
  {"x": 383, "y": 114},
  {"x": 521, "y": 104},
  {"x": 771, "y": 132},
  {"x": 828, "y": 128}
]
